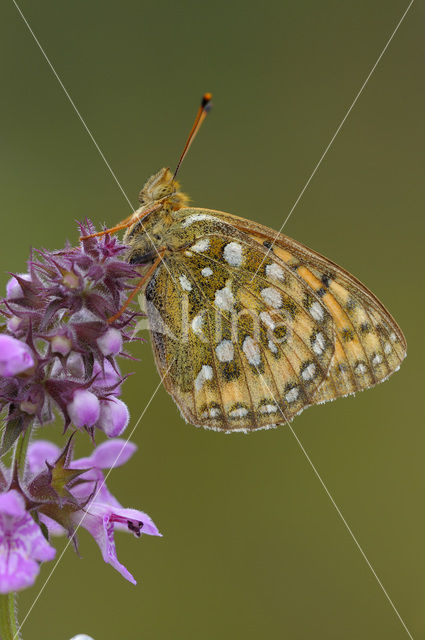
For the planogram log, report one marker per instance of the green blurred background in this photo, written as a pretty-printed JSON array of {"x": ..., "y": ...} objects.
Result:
[{"x": 252, "y": 545}]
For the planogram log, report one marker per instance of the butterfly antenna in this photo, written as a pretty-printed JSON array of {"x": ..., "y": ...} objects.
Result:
[{"x": 204, "y": 107}]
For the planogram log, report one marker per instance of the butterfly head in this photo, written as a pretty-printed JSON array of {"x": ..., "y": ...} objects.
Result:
[{"x": 162, "y": 187}]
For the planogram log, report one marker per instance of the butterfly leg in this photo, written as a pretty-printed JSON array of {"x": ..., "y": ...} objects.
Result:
[
  {"x": 139, "y": 285},
  {"x": 124, "y": 224}
]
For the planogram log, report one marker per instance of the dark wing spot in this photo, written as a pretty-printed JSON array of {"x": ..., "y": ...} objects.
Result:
[
  {"x": 230, "y": 371},
  {"x": 347, "y": 334},
  {"x": 351, "y": 304},
  {"x": 326, "y": 279},
  {"x": 365, "y": 327}
]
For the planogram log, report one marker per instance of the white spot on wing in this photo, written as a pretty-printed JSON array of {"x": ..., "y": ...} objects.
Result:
[
  {"x": 268, "y": 408},
  {"x": 185, "y": 283},
  {"x": 206, "y": 373},
  {"x": 233, "y": 254},
  {"x": 197, "y": 324},
  {"x": 225, "y": 351},
  {"x": 214, "y": 412},
  {"x": 271, "y": 297},
  {"x": 387, "y": 348},
  {"x": 309, "y": 372},
  {"x": 360, "y": 369},
  {"x": 207, "y": 272},
  {"x": 316, "y": 311},
  {"x": 272, "y": 346},
  {"x": 201, "y": 246},
  {"x": 319, "y": 344},
  {"x": 224, "y": 299},
  {"x": 252, "y": 351},
  {"x": 240, "y": 412},
  {"x": 196, "y": 217},
  {"x": 377, "y": 359},
  {"x": 292, "y": 395},
  {"x": 393, "y": 337},
  {"x": 274, "y": 271},
  {"x": 267, "y": 320}
]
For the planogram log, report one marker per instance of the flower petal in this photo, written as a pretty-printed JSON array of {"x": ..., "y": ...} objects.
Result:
[
  {"x": 12, "y": 504},
  {"x": 14, "y": 289},
  {"x": 15, "y": 356},
  {"x": 21, "y": 544},
  {"x": 38, "y": 452},
  {"x": 114, "y": 417},
  {"x": 100, "y": 520},
  {"x": 112, "y": 453},
  {"x": 84, "y": 409},
  {"x": 110, "y": 343}
]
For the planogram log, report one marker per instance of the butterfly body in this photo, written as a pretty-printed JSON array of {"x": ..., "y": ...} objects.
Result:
[{"x": 248, "y": 326}]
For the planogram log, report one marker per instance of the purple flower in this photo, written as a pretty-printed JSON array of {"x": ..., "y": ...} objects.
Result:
[
  {"x": 14, "y": 289},
  {"x": 22, "y": 544},
  {"x": 15, "y": 356},
  {"x": 84, "y": 409},
  {"x": 114, "y": 417},
  {"x": 13, "y": 324},
  {"x": 56, "y": 328},
  {"x": 110, "y": 343},
  {"x": 101, "y": 512},
  {"x": 107, "y": 378},
  {"x": 100, "y": 520},
  {"x": 62, "y": 327},
  {"x": 61, "y": 344}
]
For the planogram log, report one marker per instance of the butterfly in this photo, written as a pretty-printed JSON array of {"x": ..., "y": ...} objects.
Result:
[{"x": 248, "y": 326}]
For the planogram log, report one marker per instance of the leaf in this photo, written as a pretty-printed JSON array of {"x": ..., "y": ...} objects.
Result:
[{"x": 12, "y": 431}]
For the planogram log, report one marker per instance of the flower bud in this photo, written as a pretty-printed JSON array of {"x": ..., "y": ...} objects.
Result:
[
  {"x": 14, "y": 289},
  {"x": 28, "y": 407},
  {"x": 75, "y": 365},
  {"x": 70, "y": 280},
  {"x": 84, "y": 409},
  {"x": 114, "y": 417},
  {"x": 15, "y": 356},
  {"x": 14, "y": 323},
  {"x": 106, "y": 378},
  {"x": 110, "y": 343},
  {"x": 61, "y": 344}
]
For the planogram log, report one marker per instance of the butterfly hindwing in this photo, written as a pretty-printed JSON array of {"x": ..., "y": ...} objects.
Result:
[
  {"x": 249, "y": 327},
  {"x": 248, "y": 349},
  {"x": 369, "y": 345}
]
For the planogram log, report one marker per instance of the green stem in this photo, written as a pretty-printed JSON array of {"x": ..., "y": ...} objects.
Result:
[
  {"x": 9, "y": 629},
  {"x": 8, "y": 622}
]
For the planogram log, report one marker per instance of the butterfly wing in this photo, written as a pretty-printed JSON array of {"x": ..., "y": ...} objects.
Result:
[
  {"x": 369, "y": 345},
  {"x": 238, "y": 350},
  {"x": 246, "y": 336}
]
